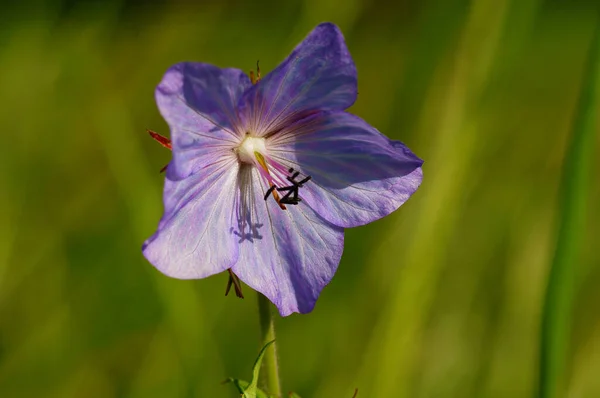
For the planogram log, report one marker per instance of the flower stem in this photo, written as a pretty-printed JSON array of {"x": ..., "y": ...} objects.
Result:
[{"x": 270, "y": 371}]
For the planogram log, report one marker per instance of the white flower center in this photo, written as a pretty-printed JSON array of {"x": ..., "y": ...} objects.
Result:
[{"x": 249, "y": 146}]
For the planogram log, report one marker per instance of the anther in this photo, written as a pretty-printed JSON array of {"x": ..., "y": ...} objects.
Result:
[
  {"x": 235, "y": 281},
  {"x": 164, "y": 141},
  {"x": 269, "y": 191}
]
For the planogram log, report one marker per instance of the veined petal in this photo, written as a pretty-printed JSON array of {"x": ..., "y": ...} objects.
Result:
[
  {"x": 294, "y": 253},
  {"x": 195, "y": 237},
  {"x": 358, "y": 174},
  {"x": 318, "y": 75},
  {"x": 199, "y": 101}
]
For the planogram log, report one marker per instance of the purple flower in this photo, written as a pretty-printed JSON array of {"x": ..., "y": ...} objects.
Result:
[{"x": 265, "y": 177}]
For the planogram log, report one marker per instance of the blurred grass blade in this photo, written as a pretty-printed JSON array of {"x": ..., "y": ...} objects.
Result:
[{"x": 574, "y": 192}]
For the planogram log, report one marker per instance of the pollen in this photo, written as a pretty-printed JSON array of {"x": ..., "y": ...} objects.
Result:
[{"x": 249, "y": 147}]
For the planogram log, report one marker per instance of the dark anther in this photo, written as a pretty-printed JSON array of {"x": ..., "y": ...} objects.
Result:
[
  {"x": 292, "y": 190},
  {"x": 269, "y": 191},
  {"x": 291, "y": 196},
  {"x": 235, "y": 281},
  {"x": 293, "y": 176},
  {"x": 164, "y": 141}
]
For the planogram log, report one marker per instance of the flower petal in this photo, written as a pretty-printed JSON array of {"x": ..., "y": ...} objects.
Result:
[
  {"x": 358, "y": 174},
  {"x": 199, "y": 101},
  {"x": 318, "y": 75},
  {"x": 293, "y": 255},
  {"x": 194, "y": 237}
]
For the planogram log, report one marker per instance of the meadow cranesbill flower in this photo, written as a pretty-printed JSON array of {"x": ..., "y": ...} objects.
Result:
[{"x": 265, "y": 177}]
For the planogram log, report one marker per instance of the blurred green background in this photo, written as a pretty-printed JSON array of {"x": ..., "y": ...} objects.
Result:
[{"x": 441, "y": 299}]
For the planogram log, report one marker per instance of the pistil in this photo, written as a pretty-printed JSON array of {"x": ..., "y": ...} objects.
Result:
[{"x": 253, "y": 151}]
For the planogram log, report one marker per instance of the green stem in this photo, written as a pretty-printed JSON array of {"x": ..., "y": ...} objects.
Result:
[{"x": 270, "y": 368}]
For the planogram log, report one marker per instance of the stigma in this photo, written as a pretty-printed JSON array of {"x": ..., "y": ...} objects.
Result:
[{"x": 278, "y": 178}]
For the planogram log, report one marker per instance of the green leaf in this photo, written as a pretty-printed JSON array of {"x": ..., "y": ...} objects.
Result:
[
  {"x": 242, "y": 385},
  {"x": 239, "y": 384},
  {"x": 250, "y": 389}
]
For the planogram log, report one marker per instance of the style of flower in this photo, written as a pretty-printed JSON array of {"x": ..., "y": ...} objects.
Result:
[{"x": 265, "y": 177}]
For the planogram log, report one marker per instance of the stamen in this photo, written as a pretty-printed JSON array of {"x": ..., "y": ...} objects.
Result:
[
  {"x": 291, "y": 178},
  {"x": 291, "y": 197},
  {"x": 263, "y": 165},
  {"x": 255, "y": 78},
  {"x": 252, "y": 150},
  {"x": 235, "y": 281},
  {"x": 304, "y": 181},
  {"x": 269, "y": 191},
  {"x": 164, "y": 141},
  {"x": 277, "y": 199}
]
